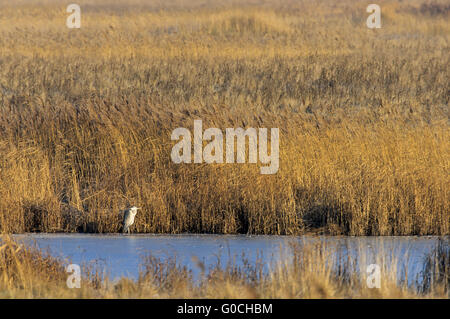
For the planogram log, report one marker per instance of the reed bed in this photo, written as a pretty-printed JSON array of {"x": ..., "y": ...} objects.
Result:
[{"x": 86, "y": 116}]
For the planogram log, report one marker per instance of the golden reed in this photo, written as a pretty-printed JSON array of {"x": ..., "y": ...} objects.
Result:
[{"x": 86, "y": 116}]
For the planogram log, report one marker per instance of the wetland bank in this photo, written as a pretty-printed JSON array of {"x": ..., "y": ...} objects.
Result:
[
  {"x": 86, "y": 117},
  {"x": 193, "y": 266}
]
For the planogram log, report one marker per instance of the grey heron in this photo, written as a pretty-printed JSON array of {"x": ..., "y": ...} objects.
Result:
[{"x": 128, "y": 218}]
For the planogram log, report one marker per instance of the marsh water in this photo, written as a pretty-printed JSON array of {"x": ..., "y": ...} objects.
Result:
[{"x": 119, "y": 255}]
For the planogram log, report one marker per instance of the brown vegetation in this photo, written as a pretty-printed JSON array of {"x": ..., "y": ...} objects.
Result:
[{"x": 86, "y": 116}]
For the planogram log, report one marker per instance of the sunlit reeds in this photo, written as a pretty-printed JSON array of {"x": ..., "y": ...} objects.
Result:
[{"x": 86, "y": 117}]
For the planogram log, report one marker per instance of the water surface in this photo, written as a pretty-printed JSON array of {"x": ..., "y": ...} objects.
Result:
[{"x": 120, "y": 255}]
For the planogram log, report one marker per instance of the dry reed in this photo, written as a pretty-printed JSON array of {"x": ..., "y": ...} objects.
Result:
[{"x": 86, "y": 116}]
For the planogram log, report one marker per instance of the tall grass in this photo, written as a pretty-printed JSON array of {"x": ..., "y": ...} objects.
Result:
[
  {"x": 86, "y": 116},
  {"x": 436, "y": 271}
]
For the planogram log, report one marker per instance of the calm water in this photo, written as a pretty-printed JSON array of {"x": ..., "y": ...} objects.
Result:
[{"x": 119, "y": 255}]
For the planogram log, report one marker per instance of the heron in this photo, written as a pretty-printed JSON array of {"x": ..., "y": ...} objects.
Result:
[{"x": 128, "y": 218}]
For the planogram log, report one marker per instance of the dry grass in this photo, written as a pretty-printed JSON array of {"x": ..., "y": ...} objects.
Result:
[
  {"x": 28, "y": 273},
  {"x": 86, "y": 116}
]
